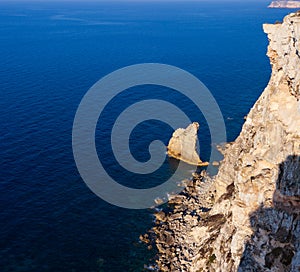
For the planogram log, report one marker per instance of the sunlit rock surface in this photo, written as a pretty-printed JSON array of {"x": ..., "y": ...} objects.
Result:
[
  {"x": 247, "y": 218},
  {"x": 183, "y": 145}
]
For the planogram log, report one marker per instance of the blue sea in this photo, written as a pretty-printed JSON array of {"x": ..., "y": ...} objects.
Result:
[{"x": 50, "y": 55}]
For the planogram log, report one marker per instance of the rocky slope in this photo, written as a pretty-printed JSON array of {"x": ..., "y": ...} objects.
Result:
[{"x": 248, "y": 217}]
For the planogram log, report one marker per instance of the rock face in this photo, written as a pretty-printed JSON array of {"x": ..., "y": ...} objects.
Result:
[
  {"x": 182, "y": 145},
  {"x": 285, "y": 4},
  {"x": 248, "y": 216}
]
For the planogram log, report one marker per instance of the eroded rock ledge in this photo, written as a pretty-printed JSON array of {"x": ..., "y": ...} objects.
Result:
[{"x": 247, "y": 218}]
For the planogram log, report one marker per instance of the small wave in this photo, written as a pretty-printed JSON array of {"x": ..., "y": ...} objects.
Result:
[{"x": 85, "y": 22}]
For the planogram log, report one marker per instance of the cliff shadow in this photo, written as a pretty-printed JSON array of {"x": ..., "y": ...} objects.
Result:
[{"x": 275, "y": 242}]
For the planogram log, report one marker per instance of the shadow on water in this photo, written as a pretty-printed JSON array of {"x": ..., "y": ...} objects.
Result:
[{"x": 275, "y": 242}]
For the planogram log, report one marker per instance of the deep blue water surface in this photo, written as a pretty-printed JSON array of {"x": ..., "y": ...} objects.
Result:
[{"x": 50, "y": 55}]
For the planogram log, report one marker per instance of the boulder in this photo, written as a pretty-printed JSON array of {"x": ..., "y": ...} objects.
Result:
[{"x": 183, "y": 145}]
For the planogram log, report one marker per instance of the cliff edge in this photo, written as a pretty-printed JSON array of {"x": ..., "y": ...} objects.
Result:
[{"x": 248, "y": 217}]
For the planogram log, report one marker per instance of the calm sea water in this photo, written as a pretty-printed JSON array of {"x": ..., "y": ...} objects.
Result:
[{"x": 50, "y": 55}]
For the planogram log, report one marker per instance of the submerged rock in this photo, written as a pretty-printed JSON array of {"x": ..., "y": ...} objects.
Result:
[{"x": 183, "y": 145}]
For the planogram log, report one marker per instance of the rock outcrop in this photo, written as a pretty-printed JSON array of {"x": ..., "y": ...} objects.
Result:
[
  {"x": 183, "y": 145},
  {"x": 248, "y": 217},
  {"x": 285, "y": 4}
]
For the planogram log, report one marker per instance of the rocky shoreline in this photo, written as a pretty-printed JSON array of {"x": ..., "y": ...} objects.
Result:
[
  {"x": 247, "y": 217},
  {"x": 185, "y": 211}
]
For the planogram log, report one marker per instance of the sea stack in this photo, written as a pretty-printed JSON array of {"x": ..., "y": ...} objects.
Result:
[
  {"x": 183, "y": 145},
  {"x": 248, "y": 219}
]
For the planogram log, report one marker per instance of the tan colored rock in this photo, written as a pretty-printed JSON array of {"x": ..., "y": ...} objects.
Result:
[
  {"x": 183, "y": 145},
  {"x": 215, "y": 163}
]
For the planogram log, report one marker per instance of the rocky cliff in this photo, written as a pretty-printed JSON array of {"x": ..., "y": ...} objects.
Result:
[
  {"x": 285, "y": 4},
  {"x": 247, "y": 218}
]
